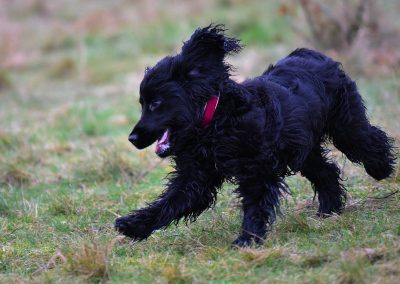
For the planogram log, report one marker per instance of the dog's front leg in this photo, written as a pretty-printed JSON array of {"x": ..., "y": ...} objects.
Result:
[
  {"x": 260, "y": 201},
  {"x": 189, "y": 192}
]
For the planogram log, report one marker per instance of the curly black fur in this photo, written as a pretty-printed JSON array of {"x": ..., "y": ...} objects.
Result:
[{"x": 263, "y": 130}]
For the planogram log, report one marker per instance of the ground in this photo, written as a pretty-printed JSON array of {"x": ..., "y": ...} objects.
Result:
[{"x": 68, "y": 100}]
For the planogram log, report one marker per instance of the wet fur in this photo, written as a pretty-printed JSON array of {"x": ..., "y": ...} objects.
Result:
[{"x": 263, "y": 130}]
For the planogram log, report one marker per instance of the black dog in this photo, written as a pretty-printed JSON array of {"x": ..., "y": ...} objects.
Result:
[{"x": 252, "y": 134}]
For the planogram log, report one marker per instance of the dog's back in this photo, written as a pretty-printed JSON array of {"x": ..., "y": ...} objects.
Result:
[
  {"x": 321, "y": 93},
  {"x": 305, "y": 72}
]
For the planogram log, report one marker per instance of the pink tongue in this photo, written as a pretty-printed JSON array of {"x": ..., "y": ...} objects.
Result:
[{"x": 163, "y": 142}]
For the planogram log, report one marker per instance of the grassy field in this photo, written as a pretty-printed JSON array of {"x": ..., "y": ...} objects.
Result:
[{"x": 69, "y": 76}]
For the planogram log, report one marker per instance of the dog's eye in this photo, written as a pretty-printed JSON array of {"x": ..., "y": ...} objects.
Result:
[{"x": 154, "y": 105}]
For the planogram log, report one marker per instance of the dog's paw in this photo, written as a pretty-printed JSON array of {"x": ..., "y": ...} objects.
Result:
[
  {"x": 121, "y": 224},
  {"x": 133, "y": 228}
]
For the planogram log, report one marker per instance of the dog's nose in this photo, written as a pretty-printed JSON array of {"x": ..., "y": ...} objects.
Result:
[{"x": 133, "y": 138}]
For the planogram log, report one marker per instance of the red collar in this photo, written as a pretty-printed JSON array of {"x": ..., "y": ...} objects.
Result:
[{"x": 209, "y": 110}]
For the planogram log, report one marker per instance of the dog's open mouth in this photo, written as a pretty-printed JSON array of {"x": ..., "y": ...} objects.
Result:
[{"x": 162, "y": 145}]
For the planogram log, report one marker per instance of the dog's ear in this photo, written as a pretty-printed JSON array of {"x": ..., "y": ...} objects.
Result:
[{"x": 207, "y": 46}]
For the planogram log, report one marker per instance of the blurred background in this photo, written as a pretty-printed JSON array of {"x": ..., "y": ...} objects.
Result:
[
  {"x": 69, "y": 70},
  {"x": 69, "y": 77}
]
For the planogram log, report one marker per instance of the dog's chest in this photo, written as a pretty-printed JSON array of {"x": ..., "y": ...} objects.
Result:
[{"x": 236, "y": 156}]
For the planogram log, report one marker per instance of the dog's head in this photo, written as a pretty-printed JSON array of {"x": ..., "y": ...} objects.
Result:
[{"x": 173, "y": 92}]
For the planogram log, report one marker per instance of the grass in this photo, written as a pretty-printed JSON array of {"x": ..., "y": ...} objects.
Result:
[{"x": 67, "y": 170}]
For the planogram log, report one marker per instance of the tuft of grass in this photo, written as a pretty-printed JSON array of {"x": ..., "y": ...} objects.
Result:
[
  {"x": 14, "y": 176},
  {"x": 63, "y": 68},
  {"x": 58, "y": 148},
  {"x": 352, "y": 271},
  {"x": 261, "y": 256},
  {"x": 9, "y": 141},
  {"x": 173, "y": 274},
  {"x": 17, "y": 160},
  {"x": 388, "y": 272},
  {"x": 315, "y": 260},
  {"x": 65, "y": 205},
  {"x": 91, "y": 260}
]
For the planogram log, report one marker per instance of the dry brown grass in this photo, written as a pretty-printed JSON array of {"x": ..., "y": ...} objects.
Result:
[
  {"x": 65, "y": 205},
  {"x": 352, "y": 272},
  {"x": 16, "y": 159},
  {"x": 260, "y": 256},
  {"x": 64, "y": 67},
  {"x": 9, "y": 141},
  {"x": 12, "y": 175},
  {"x": 174, "y": 274},
  {"x": 315, "y": 260},
  {"x": 91, "y": 260}
]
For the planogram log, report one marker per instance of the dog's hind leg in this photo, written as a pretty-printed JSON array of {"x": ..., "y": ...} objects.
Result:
[
  {"x": 361, "y": 142},
  {"x": 324, "y": 176},
  {"x": 260, "y": 201}
]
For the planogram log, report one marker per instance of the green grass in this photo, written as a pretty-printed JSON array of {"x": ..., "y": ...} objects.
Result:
[
  {"x": 75, "y": 221},
  {"x": 67, "y": 170}
]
